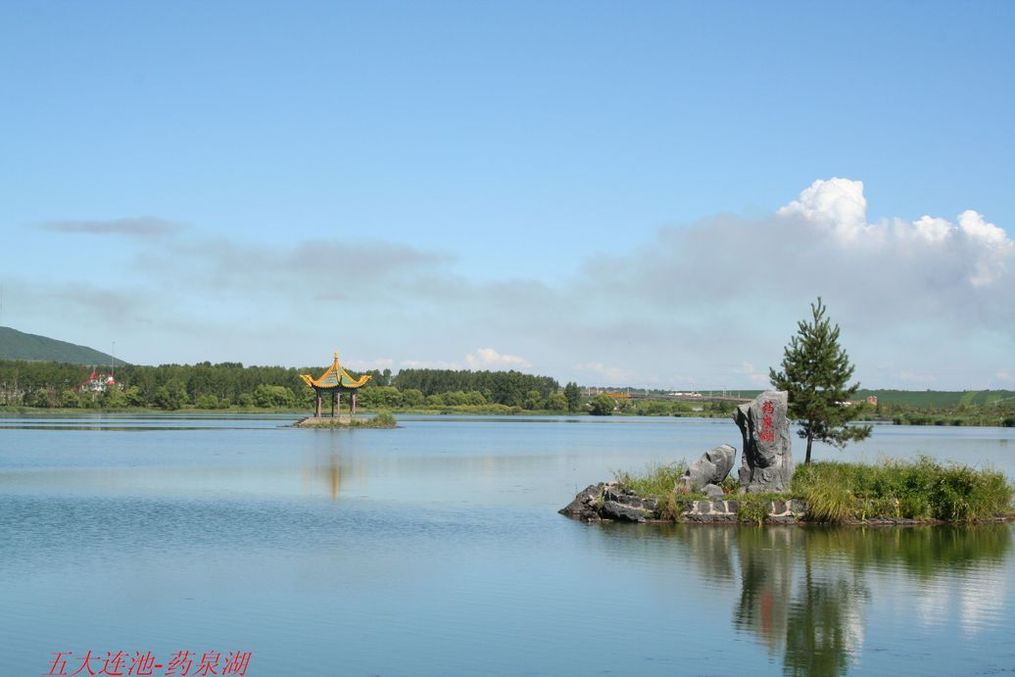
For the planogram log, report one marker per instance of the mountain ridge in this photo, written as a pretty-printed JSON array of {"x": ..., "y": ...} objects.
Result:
[{"x": 19, "y": 345}]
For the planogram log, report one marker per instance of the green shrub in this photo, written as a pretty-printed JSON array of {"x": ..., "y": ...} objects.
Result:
[
  {"x": 730, "y": 485},
  {"x": 753, "y": 508},
  {"x": 383, "y": 419},
  {"x": 675, "y": 504}
]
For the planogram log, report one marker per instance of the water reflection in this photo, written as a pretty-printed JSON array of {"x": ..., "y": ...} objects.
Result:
[
  {"x": 766, "y": 574},
  {"x": 328, "y": 470},
  {"x": 809, "y": 595},
  {"x": 826, "y": 616},
  {"x": 807, "y": 591}
]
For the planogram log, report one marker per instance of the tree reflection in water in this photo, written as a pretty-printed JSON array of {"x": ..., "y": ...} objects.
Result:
[{"x": 805, "y": 589}]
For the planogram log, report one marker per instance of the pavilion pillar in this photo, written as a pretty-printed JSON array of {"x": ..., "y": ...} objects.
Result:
[
  {"x": 334, "y": 397},
  {"x": 317, "y": 404},
  {"x": 338, "y": 403},
  {"x": 354, "y": 404}
]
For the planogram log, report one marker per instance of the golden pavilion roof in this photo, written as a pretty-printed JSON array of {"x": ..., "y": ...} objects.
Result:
[{"x": 335, "y": 377}]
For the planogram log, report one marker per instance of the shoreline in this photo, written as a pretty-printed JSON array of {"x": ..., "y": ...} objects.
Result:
[{"x": 464, "y": 410}]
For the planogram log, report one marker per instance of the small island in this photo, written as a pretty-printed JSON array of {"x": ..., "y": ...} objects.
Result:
[
  {"x": 332, "y": 383},
  {"x": 812, "y": 389}
]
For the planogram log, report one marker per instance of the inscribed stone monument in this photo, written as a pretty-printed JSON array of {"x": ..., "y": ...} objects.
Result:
[{"x": 767, "y": 459}]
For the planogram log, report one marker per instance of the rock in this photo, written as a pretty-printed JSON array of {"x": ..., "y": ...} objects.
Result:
[
  {"x": 612, "y": 502},
  {"x": 766, "y": 464},
  {"x": 623, "y": 512},
  {"x": 712, "y": 491},
  {"x": 712, "y": 468},
  {"x": 586, "y": 503}
]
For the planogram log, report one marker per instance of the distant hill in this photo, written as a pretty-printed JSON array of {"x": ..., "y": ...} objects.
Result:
[{"x": 17, "y": 345}]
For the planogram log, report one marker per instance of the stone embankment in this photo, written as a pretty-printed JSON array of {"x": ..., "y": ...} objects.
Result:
[
  {"x": 609, "y": 501},
  {"x": 324, "y": 422}
]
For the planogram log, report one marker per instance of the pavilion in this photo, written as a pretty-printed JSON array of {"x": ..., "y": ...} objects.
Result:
[{"x": 335, "y": 380}]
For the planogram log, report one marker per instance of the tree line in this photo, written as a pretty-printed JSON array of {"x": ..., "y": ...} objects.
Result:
[{"x": 216, "y": 386}]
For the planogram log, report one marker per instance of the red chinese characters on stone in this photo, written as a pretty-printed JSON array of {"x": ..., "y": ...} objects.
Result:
[{"x": 767, "y": 433}]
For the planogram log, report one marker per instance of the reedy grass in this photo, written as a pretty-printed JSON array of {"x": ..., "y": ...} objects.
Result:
[
  {"x": 753, "y": 508},
  {"x": 657, "y": 480},
  {"x": 919, "y": 489}
]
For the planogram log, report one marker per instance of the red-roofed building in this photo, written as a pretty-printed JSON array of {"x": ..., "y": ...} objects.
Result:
[{"x": 97, "y": 383}]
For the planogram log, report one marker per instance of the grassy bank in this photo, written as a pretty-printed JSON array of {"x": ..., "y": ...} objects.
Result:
[{"x": 922, "y": 490}]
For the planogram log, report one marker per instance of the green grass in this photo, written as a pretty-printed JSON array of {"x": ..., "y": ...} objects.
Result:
[
  {"x": 383, "y": 419},
  {"x": 657, "y": 480},
  {"x": 920, "y": 489}
]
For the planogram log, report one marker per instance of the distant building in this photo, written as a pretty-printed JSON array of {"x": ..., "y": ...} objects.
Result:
[
  {"x": 97, "y": 383},
  {"x": 870, "y": 399}
]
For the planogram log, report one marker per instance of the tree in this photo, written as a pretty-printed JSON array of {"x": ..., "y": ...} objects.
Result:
[
  {"x": 601, "y": 405},
  {"x": 533, "y": 400},
  {"x": 556, "y": 402},
  {"x": 815, "y": 372},
  {"x": 573, "y": 395}
]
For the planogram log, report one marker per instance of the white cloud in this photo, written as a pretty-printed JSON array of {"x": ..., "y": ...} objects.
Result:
[
  {"x": 380, "y": 363},
  {"x": 713, "y": 301},
  {"x": 981, "y": 251},
  {"x": 144, "y": 226},
  {"x": 611, "y": 374},
  {"x": 755, "y": 376},
  {"x": 488, "y": 358},
  {"x": 836, "y": 204}
]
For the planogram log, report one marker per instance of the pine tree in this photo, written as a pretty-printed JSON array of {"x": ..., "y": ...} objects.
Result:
[{"x": 815, "y": 372}]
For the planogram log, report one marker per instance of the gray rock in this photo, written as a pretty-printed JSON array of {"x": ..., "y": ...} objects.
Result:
[
  {"x": 712, "y": 468},
  {"x": 623, "y": 512},
  {"x": 712, "y": 491},
  {"x": 610, "y": 501},
  {"x": 767, "y": 460},
  {"x": 586, "y": 503}
]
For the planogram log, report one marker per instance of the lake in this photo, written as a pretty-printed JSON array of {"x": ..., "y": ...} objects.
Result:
[{"x": 436, "y": 549}]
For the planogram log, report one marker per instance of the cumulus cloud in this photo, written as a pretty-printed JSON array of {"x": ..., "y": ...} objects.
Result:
[
  {"x": 143, "y": 226},
  {"x": 488, "y": 358},
  {"x": 981, "y": 253},
  {"x": 823, "y": 243},
  {"x": 836, "y": 204}
]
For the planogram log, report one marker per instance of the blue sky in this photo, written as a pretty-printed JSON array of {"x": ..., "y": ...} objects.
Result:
[{"x": 597, "y": 191}]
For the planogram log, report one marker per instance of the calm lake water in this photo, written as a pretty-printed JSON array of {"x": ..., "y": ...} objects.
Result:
[{"x": 435, "y": 548}]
